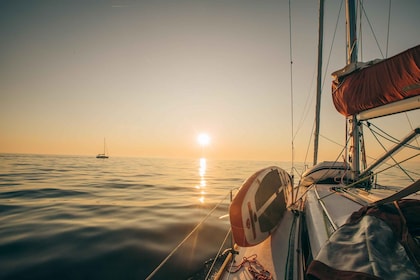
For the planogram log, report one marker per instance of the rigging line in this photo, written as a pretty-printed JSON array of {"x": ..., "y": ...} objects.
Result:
[
  {"x": 364, "y": 178},
  {"x": 411, "y": 126},
  {"x": 332, "y": 141},
  {"x": 413, "y": 172},
  {"x": 332, "y": 43},
  {"x": 308, "y": 104},
  {"x": 185, "y": 239},
  {"x": 387, "y": 32},
  {"x": 389, "y": 137},
  {"x": 386, "y": 163},
  {"x": 300, "y": 174},
  {"x": 384, "y": 132},
  {"x": 325, "y": 72},
  {"x": 373, "y": 32},
  {"x": 291, "y": 81},
  {"x": 408, "y": 146},
  {"x": 383, "y": 147},
  {"x": 218, "y": 254},
  {"x": 336, "y": 160},
  {"x": 311, "y": 186},
  {"x": 391, "y": 166}
]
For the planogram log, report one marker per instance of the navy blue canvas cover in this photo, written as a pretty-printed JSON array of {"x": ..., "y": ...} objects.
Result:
[{"x": 377, "y": 242}]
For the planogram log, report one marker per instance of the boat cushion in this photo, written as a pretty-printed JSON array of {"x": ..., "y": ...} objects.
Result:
[{"x": 377, "y": 242}]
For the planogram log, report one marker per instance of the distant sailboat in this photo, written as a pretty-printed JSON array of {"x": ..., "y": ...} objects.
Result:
[{"x": 103, "y": 155}]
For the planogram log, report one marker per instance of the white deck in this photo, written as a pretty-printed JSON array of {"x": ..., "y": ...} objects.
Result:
[
  {"x": 323, "y": 207},
  {"x": 271, "y": 253}
]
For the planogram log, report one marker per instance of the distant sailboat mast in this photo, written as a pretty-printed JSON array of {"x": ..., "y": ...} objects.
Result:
[
  {"x": 104, "y": 146},
  {"x": 104, "y": 154}
]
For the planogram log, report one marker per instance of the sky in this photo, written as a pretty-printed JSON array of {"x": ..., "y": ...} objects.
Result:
[{"x": 150, "y": 76}]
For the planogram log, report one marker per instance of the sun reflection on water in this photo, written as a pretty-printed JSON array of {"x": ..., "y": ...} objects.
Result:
[{"x": 202, "y": 173}]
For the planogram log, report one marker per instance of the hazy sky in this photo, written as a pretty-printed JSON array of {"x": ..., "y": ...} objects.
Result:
[{"x": 149, "y": 76}]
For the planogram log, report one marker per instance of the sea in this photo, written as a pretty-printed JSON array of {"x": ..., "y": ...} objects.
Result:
[{"x": 78, "y": 217}]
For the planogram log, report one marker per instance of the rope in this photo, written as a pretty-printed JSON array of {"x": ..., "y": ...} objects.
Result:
[
  {"x": 185, "y": 239},
  {"x": 253, "y": 266}
]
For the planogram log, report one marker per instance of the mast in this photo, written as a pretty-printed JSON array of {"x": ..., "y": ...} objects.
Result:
[
  {"x": 352, "y": 58},
  {"x": 351, "y": 31},
  {"x": 319, "y": 78}
]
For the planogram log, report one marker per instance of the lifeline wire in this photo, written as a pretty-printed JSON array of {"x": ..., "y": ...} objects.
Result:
[
  {"x": 218, "y": 254},
  {"x": 183, "y": 241}
]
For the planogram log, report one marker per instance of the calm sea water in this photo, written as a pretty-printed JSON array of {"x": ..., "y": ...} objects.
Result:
[{"x": 73, "y": 217}]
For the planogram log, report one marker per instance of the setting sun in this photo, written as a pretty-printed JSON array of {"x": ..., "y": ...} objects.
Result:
[{"x": 203, "y": 139}]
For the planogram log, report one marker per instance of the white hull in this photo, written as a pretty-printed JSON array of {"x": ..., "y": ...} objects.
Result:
[{"x": 286, "y": 253}]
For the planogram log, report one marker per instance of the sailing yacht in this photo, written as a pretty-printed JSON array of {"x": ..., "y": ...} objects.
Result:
[
  {"x": 336, "y": 222},
  {"x": 103, "y": 155}
]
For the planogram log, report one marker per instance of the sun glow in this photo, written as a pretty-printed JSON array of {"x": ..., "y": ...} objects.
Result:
[{"x": 203, "y": 139}]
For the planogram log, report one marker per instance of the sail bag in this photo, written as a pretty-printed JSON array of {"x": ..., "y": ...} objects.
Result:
[{"x": 358, "y": 88}]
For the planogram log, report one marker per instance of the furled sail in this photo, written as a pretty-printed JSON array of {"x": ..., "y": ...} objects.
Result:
[{"x": 360, "y": 87}]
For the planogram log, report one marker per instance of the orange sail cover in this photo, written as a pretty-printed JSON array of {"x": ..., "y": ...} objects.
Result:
[{"x": 387, "y": 81}]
